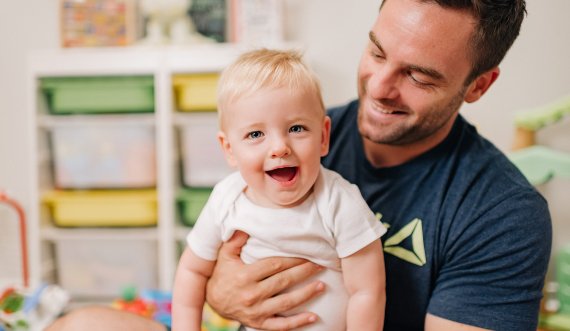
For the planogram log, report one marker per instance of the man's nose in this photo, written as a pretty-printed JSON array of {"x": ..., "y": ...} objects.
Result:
[{"x": 383, "y": 84}]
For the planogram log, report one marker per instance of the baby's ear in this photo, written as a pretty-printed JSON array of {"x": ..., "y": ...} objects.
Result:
[
  {"x": 227, "y": 148},
  {"x": 326, "y": 136}
]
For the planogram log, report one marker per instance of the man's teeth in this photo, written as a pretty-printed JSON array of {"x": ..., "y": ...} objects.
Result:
[{"x": 382, "y": 110}]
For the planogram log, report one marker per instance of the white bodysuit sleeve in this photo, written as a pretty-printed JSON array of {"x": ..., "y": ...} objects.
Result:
[{"x": 354, "y": 225}]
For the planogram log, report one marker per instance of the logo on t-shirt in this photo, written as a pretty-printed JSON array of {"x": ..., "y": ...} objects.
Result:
[{"x": 412, "y": 234}]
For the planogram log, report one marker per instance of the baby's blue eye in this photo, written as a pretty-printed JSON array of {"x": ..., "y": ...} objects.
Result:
[
  {"x": 296, "y": 128},
  {"x": 255, "y": 135}
]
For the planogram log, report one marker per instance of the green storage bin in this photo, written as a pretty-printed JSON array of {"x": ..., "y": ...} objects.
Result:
[
  {"x": 563, "y": 278},
  {"x": 190, "y": 204},
  {"x": 91, "y": 95},
  {"x": 556, "y": 322}
]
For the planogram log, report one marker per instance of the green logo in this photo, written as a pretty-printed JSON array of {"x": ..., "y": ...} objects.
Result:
[{"x": 413, "y": 230}]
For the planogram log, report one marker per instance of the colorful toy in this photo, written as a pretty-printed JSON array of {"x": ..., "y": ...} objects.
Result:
[
  {"x": 157, "y": 305},
  {"x": 211, "y": 321},
  {"x": 131, "y": 302},
  {"x": 4, "y": 198},
  {"x": 529, "y": 122},
  {"x": 539, "y": 163},
  {"x": 23, "y": 310},
  {"x": 151, "y": 304}
]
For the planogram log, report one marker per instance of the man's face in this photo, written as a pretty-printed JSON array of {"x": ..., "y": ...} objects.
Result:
[{"x": 412, "y": 73}]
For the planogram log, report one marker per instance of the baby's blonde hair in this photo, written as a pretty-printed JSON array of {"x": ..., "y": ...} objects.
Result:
[{"x": 265, "y": 68}]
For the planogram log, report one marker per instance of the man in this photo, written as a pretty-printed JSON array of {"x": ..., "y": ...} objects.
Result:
[{"x": 468, "y": 238}]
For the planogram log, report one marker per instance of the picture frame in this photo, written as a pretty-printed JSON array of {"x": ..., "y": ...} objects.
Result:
[
  {"x": 96, "y": 23},
  {"x": 257, "y": 22}
]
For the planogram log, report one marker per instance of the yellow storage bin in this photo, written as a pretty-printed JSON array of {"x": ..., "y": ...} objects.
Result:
[
  {"x": 103, "y": 208},
  {"x": 196, "y": 92}
]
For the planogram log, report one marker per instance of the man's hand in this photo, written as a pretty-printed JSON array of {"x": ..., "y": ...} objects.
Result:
[{"x": 250, "y": 293}]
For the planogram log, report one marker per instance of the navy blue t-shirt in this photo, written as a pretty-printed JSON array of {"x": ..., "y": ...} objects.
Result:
[{"x": 468, "y": 237}]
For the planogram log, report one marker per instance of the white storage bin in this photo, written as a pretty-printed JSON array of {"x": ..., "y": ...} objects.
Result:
[
  {"x": 203, "y": 161},
  {"x": 103, "y": 268},
  {"x": 104, "y": 157}
]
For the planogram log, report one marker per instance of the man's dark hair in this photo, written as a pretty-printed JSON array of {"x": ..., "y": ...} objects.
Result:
[{"x": 498, "y": 25}]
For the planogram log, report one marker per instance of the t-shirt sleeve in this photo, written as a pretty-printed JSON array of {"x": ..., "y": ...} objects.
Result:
[
  {"x": 354, "y": 225},
  {"x": 493, "y": 273}
]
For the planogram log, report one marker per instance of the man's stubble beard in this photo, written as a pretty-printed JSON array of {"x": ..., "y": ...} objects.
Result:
[{"x": 407, "y": 133}]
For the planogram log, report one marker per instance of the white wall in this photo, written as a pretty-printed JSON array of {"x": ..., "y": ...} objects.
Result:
[
  {"x": 24, "y": 26},
  {"x": 535, "y": 71}
]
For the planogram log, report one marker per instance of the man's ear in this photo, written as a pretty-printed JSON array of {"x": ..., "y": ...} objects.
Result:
[
  {"x": 326, "y": 136},
  {"x": 481, "y": 84},
  {"x": 227, "y": 148}
]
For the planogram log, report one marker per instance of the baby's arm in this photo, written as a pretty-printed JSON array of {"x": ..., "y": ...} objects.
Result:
[
  {"x": 364, "y": 278},
  {"x": 190, "y": 291}
]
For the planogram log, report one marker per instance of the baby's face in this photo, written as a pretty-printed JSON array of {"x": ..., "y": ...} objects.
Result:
[{"x": 276, "y": 139}]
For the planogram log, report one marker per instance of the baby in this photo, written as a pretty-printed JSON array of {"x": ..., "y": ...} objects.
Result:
[{"x": 274, "y": 130}]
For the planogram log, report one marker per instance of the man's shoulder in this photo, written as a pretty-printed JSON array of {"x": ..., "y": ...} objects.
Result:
[
  {"x": 343, "y": 140},
  {"x": 486, "y": 174},
  {"x": 339, "y": 112},
  {"x": 480, "y": 154}
]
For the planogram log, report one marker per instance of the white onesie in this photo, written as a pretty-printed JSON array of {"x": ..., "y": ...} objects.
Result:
[{"x": 332, "y": 223}]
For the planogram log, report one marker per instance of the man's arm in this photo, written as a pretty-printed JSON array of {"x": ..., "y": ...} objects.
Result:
[
  {"x": 494, "y": 271},
  {"x": 250, "y": 293},
  {"x": 365, "y": 281}
]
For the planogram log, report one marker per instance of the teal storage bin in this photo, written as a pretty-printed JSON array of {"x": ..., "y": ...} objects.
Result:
[
  {"x": 190, "y": 204},
  {"x": 105, "y": 94}
]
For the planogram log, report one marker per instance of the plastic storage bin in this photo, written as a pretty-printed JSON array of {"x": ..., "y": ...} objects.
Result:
[
  {"x": 103, "y": 268},
  {"x": 104, "y": 157},
  {"x": 103, "y": 208},
  {"x": 78, "y": 95},
  {"x": 190, "y": 204},
  {"x": 203, "y": 160},
  {"x": 563, "y": 278},
  {"x": 196, "y": 92}
]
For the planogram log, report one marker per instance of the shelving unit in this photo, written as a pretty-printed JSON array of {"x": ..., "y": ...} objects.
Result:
[{"x": 160, "y": 63}]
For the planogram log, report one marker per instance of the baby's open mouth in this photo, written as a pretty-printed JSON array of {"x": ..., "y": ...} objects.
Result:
[{"x": 283, "y": 174}]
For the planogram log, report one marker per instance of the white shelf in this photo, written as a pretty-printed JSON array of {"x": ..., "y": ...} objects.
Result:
[
  {"x": 59, "y": 121},
  {"x": 184, "y": 119},
  {"x": 181, "y": 232},
  {"x": 55, "y": 234},
  {"x": 160, "y": 63},
  {"x": 94, "y": 62}
]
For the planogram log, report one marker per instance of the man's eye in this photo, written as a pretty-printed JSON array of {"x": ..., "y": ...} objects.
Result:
[
  {"x": 297, "y": 129},
  {"x": 377, "y": 54},
  {"x": 418, "y": 81},
  {"x": 255, "y": 135}
]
